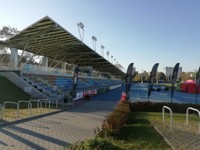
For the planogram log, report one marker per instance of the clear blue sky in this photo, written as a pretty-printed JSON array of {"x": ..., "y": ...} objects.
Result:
[{"x": 140, "y": 31}]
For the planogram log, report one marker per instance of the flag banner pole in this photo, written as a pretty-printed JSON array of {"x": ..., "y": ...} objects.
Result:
[
  {"x": 152, "y": 78},
  {"x": 174, "y": 78},
  {"x": 197, "y": 83},
  {"x": 129, "y": 80},
  {"x": 75, "y": 82}
]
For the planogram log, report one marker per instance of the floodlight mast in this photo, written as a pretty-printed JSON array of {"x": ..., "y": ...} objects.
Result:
[
  {"x": 108, "y": 54},
  {"x": 94, "y": 40},
  {"x": 81, "y": 26},
  {"x": 102, "y": 50},
  {"x": 111, "y": 59}
]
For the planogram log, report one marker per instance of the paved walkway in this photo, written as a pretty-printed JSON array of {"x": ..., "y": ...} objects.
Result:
[
  {"x": 54, "y": 132},
  {"x": 181, "y": 137}
]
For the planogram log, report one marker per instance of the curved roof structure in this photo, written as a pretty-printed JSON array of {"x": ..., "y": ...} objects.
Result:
[{"x": 49, "y": 39}]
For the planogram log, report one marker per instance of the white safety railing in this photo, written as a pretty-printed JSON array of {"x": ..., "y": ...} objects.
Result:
[
  {"x": 54, "y": 101},
  {"x": 187, "y": 112},
  {"x": 37, "y": 68},
  {"x": 45, "y": 102},
  {"x": 171, "y": 116},
  {"x": 15, "y": 103},
  {"x": 29, "y": 105},
  {"x": 5, "y": 108},
  {"x": 38, "y": 104}
]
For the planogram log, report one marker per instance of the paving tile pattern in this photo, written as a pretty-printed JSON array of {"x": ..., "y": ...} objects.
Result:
[
  {"x": 181, "y": 137},
  {"x": 56, "y": 131}
]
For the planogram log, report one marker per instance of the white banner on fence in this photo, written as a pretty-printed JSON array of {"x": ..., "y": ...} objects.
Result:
[{"x": 79, "y": 95}]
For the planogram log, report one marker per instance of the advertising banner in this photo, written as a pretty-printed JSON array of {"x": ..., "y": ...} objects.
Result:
[
  {"x": 174, "y": 78},
  {"x": 129, "y": 80},
  {"x": 152, "y": 78}
]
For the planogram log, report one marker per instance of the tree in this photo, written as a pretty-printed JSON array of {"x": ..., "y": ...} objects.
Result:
[
  {"x": 161, "y": 76},
  {"x": 145, "y": 76},
  {"x": 141, "y": 77},
  {"x": 137, "y": 78},
  {"x": 8, "y": 31},
  {"x": 184, "y": 76},
  {"x": 134, "y": 74},
  {"x": 5, "y": 33}
]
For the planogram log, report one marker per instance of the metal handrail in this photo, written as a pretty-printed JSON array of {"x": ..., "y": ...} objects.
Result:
[
  {"x": 171, "y": 116},
  {"x": 46, "y": 100},
  {"x": 29, "y": 105},
  {"x": 187, "y": 112},
  {"x": 38, "y": 104},
  {"x": 52, "y": 100},
  {"x": 7, "y": 102}
]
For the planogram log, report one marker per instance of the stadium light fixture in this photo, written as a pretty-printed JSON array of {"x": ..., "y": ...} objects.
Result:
[
  {"x": 102, "y": 50},
  {"x": 111, "y": 58},
  {"x": 108, "y": 54},
  {"x": 81, "y": 26},
  {"x": 94, "y": 40}
]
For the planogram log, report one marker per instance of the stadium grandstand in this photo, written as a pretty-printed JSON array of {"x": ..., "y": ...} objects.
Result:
[{"x": 53, "y": 79}]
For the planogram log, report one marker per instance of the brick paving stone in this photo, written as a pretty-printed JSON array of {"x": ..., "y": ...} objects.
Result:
[
  {"x": 182, "y": 137},
  {"x": 56, "y": 131}
]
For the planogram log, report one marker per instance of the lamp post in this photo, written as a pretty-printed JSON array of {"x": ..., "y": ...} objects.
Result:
[
  {"x": 108, "y": 54},
  {"x": 102, "y": 50},
  {"x": 94, "y": 40},
  {"x": 111, "y": 58},
  {"x": 81, "y": 26}
]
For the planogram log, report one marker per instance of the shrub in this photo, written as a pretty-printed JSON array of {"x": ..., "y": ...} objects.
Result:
[
  {"x": 116, "y": 120},
  {"x": 157, "y": 107},
  {"x": 101, "y": 144},
  {"x": 111, "y": 125},
  {"x": 95, "y": 144}
]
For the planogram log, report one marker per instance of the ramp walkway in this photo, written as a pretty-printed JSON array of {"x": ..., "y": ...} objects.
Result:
[
  {"x": 56, "y": 131},
  {"x": 19, "y": 82}
]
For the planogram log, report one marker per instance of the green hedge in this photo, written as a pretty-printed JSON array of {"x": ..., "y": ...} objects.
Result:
[
  {"x": 117, "y": 119},
  {"x": 157, "y": 107}
]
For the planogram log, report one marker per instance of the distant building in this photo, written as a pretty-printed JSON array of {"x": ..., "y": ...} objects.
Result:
[{"x": 169, "y": 71}]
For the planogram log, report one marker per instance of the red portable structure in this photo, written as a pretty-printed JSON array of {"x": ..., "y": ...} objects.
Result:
[{"x": 189, "y": 86}]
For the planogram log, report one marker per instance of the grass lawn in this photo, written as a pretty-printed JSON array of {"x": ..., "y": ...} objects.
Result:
[
  {"x": 138, "y": 134},
  {"x": 10, "y": 92}
]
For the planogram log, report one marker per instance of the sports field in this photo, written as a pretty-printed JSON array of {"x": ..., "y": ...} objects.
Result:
[{"x": 139, "y": 93}]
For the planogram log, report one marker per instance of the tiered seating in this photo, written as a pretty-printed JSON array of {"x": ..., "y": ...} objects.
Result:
[
  {"x": 42, "y": 83},
  {"x": 54, "y": 86},
  {"x": 63, "y": 83},
  {"x": 83, "y": 83}
]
